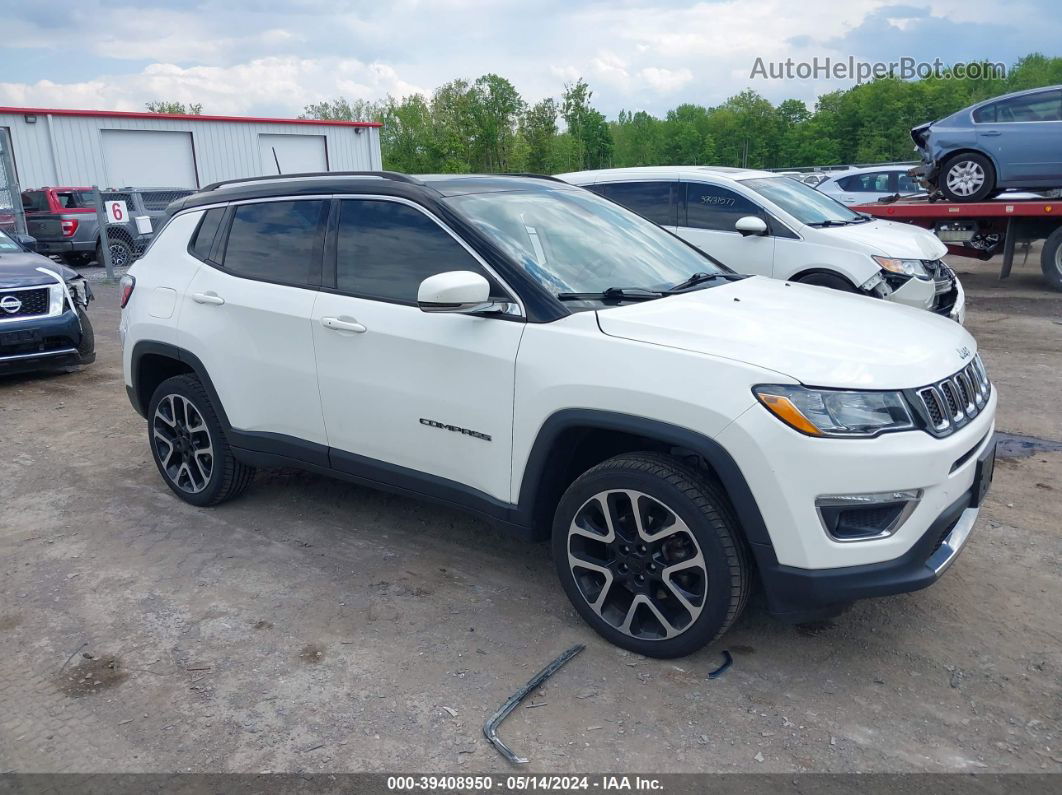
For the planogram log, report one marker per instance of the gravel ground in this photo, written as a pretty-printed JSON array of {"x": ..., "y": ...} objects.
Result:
[{"x": 316, "y": 626}]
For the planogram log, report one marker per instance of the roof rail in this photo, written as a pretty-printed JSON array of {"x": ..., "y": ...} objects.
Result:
[
  {"x": 533, "y": 175},
  {"x": 393, "y": 175}
]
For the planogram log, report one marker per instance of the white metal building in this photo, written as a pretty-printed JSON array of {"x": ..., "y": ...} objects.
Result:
[{"x": 118, "y": 149}]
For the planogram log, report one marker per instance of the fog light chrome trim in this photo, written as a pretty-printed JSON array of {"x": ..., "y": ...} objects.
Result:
[{"x": 911, "y": 498}]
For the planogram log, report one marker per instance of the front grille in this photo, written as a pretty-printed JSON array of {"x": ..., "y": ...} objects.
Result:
[
  {"x": 951, "y": 403},
  {"x": 23, "y": 303}
]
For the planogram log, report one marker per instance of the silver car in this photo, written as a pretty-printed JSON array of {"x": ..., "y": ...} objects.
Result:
[{"x": 1013, "y": 141}]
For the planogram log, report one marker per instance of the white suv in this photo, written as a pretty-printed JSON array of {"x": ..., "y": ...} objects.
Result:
[
  {"x": 771, "y": 225},
  {"x": 552, "y": 361}
]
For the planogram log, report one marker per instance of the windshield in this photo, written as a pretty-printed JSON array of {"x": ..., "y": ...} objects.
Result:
[
  {"x": 7, "y": 244},
  {"x": 802, "y": 201},
  {"x": 572, "y": 241}
]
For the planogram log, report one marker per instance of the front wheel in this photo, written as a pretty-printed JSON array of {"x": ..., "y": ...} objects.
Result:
[
  {"x": 968, "y": 177},
  {"x": 831, "y": 280},
  {"x": 189, "y": 445},
  {"x": 650, "y": 554}
]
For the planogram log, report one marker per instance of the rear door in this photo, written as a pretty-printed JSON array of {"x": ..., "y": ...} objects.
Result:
[
  {"x": 707, "y": 218},
  {"x": 1024, "y": 136},
  {"x": 246, "y": 315},
  {"x": 408, "y": 396}
]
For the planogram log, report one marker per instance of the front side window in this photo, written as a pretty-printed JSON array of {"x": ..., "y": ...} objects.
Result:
[
  {"x": 572, "y": 241},
  {"x": 718, "y": 208},
  {"x": 277, "y": 241},
  {"x": 653, "y": 200},
  {"x": 876, "y": 182},
  {"x": 385, "y": 249},
  {"x": 807, "y": 205}
]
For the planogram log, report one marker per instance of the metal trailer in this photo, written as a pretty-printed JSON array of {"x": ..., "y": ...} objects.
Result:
[{"x": 981, "y": 230}]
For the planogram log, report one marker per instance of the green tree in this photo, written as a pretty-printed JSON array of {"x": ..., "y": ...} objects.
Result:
[
  {"x": 538, "y": 130},
  {"x": 587, "y": 126},
  {"x": 174, "y": 108}
]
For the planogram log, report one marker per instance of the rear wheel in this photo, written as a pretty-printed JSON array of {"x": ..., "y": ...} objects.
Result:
[
  {"x": 650, "y": 554},
  {"x": 1051, "y": 259},
  {"x": 189, "y": 445},
  {"x": 967, "y": 177},
  {"x": 831, "y": 280}
]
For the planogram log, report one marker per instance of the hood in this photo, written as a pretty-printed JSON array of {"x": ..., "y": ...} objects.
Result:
[
  {"x": 19, "y": 269},
  {"x": 817, "y": 336},
  {"x": 889, "y": 239}
]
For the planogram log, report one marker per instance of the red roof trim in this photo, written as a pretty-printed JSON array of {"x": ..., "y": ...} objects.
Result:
[{"x": 183, "y": 117}]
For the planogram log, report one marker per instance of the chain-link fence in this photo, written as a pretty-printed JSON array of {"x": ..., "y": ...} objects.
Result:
[
  {"x": 128, "y": 219},
  {"x": 12, "y": 217}
]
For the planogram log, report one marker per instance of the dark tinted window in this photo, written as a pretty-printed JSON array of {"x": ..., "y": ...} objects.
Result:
[
  {"x": 385, "y": 250},
  {"x": 906, "y": 184},
  {"x": 34, "y": 201},
  {"x": 652, "y": 200},
  {"x": 875, "y": 182},
  {"x": 713, "y": 207},
  {"x": 276, "y": 241},
  {"x": 204, "y": 234}
]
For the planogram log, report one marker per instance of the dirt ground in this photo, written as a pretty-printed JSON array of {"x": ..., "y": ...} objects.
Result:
[{"x": 316, "y": 626}]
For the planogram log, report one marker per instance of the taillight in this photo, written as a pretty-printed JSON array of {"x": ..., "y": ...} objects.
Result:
[
  {"x": 126, "y": 286},
  {"x": 69, "y": 226}
]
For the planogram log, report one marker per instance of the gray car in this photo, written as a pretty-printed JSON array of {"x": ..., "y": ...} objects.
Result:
[{"x": 1013, "y": 141}]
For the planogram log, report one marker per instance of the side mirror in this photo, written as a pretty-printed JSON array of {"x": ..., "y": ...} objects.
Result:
[
  {"x": 454, "y": 291},
  {"x": 751, "y": 225},
  {"x": 28, "y": 242}
]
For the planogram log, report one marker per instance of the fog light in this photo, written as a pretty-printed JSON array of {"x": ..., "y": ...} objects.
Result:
[{"x": 864, "y": 517}]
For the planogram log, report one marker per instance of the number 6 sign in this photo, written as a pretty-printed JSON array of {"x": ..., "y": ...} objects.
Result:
[{"x": 116, "y": 212}]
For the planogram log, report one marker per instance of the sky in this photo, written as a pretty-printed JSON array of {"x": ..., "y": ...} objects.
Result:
[{"x": 271, "y": 58}]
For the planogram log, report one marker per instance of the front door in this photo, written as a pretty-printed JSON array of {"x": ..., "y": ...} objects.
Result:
[
  {"x": 707, "y": 221},
  {"x": 409, "y": 396}
]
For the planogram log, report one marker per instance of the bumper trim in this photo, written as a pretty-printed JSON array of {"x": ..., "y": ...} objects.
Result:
[
  {"x": 37, "y": 355},
  {"x": 953, "y": 544}
]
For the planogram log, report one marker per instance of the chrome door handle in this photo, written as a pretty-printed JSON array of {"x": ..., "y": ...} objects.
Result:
[
  {"x": 208, "y": 298},
  {"x": 991, "y": 132},
  {"x": 336, "y": 324}
]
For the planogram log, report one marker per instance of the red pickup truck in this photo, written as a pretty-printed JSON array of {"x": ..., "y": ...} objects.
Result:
[{"x": 63, "y": 220}]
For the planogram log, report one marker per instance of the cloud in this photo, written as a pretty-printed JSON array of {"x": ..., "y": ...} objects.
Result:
[
  {"x": 274, "y": 86},
  {"x": 274, "y": 56}
]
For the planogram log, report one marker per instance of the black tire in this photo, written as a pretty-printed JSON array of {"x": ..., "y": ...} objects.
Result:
[
  {"x": 1051, "y": 259},
  {"x": 87, "y": 348},
  {"x": 663, "y": 484},
  {"x": 975, "y": 167},
  {"x": 75, "y": 260},
  {"x": 225, "y": 477},
  {"x": 121, "y": 253},
  {"x": 831, "y": 280}
]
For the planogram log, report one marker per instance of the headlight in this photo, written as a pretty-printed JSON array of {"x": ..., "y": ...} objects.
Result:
[
  {"x": 904, "y": 267},
  {"x": 835, "y": 412}
]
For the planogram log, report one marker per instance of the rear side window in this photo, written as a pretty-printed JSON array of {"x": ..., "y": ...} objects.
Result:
[
  {"x": 203, "y": 239},
  {"x": 714, "y": 207},
  {"x": 1045, "y": 106},
  {"x": 652, "y": 200},
  {"x": 277, "y": 241},
  {"x": 384, "y": 250},
  {"x": 875, "y": 182},
  {"x": 34, "y": 201}
]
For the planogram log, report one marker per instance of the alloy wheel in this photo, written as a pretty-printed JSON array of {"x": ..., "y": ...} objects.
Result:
[
  {"x": 119, "y": 255},
  {"x": 182, "y": 443},
  {"x": 965, "y": 178},
  {"x": 637, "y": 564}
]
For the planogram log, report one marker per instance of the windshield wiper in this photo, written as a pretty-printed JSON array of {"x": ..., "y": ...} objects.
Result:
[
  {"x": 830, "y": 222},
  {"x": 700, "y": 278},
  {"x": 613, "y": 294}
]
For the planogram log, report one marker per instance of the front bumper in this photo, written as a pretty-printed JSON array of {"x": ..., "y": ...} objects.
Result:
[
  {"x": 922, "y": 294},
  {"x": 40, "y": 343},
  {"x": 801, "y": 565}
]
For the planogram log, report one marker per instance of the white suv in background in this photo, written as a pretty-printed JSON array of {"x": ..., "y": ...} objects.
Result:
[
  {"x": 762, "y": 223},
  {"x": 539, "y": 355}
]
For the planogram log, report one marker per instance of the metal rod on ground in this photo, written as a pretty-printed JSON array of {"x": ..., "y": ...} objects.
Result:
[{"x": 101, "y": 222}]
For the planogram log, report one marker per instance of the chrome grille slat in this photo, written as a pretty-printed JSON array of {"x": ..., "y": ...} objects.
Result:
[{"x": 952, "y": 402}]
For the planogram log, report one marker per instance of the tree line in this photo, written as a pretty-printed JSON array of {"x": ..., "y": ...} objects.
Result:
[{"x": 484, "y": 125}]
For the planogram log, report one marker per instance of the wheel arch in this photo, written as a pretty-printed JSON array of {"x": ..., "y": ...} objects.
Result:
[
  {"x": 968, "y": 150},
  {"x": 573, "y": 440},
  {"x": 823, "y": 269},
  {"x": 153, "y": 362}
]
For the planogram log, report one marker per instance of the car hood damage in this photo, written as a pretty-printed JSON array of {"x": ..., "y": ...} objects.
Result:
[
  {"x": 890, "y": 239},
  {"x": 20, "y": 269},
  {"x": 814, "y": 335}
]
